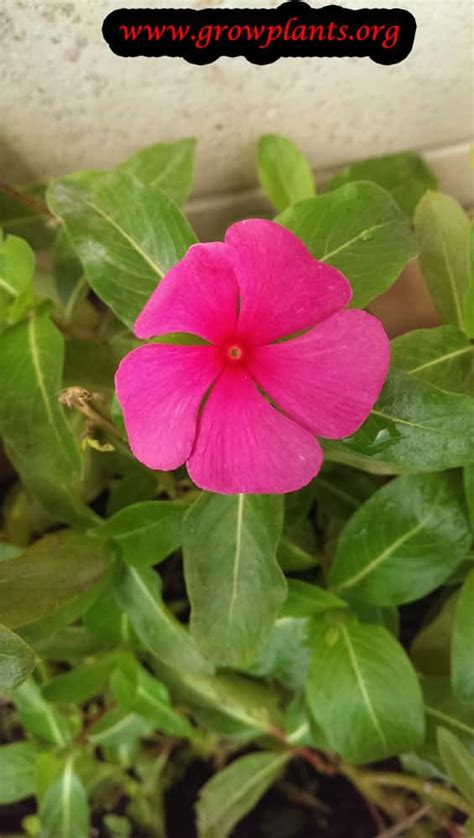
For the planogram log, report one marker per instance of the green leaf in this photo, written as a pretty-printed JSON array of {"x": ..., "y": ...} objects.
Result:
[
  {"x": 228, "y": 704},
  {"x": 106, "y": 620},
  {"x": 283, "y": 171},
  {"x": 50, "y": 573},
  {"x": 117, "y": 826},
  {"x": 127, "y": 236},
  {"x": 233, "y": 580},
  {"x": 39, "y": 717},
  {"x": 137, "y": 485},
  {"x": 16, "y": 272},
  {"x": 167, "y": 165},
  {"x": 363, "y": 691},
  {"x": 459, "y": 763},
  {"x": 17, "y": 660},
  {"x": 425, "y": 535},
  {"x": 138, "y": 593},
  {"x": 48, "y": 627},
  {"x": 81, "y": 683},
  {"x": 17, "y": 778},
  {"x": 145, "y": 533},
  {"x": 442, "y": 230},
  {"x": 431, "y": 648},
  {"x": 375, "y": 614},
  {"x": 413, "y": 427},
  {"x": 233, "y": 792},
  {"x": 119, "y": 727},
  {"x": 68, "y": 274},
  {"x": 285, "y": 656},
  {"x": 64, "y": 810},
  {"x": 463, "y": 643},
  {"x": 71, "y": 644},
  {"x": 137, "y": 691},
  {"x": 293, "y": 559},
  {"x": 48, "y": 769},
  {"x": 469, "y": 489},
  {"x": 443, "y": 708},
  {"x": 37, "y": 437},
  {"x": 306, "y": 600},
  {"x": 339, "y": 491},
  {"x": 358, "y": 229},
  {"x": 406, "y": 176},
  {"x": 441, "y": 356},
  {"x": 469, "y": 295}
]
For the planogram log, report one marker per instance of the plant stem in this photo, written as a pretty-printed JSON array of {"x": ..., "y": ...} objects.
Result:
[
  {"x": 419, "y": 786},
  {"x": 401, "y": 827},
  {"x": 27, "y": 200}
]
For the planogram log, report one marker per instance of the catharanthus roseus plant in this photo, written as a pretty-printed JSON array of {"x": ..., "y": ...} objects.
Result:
[
  {"x": 256, "y": 553},
  {"x": 205, "y": 405}
]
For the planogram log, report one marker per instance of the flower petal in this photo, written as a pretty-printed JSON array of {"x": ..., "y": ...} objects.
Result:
[
  {"x": 160, "y": 389},
  {"x": 283, "y": 287},
  {"x": 244, "y": 445},
  {"x": 198, "y": 295},
  {"x": 329, "y": 378}
]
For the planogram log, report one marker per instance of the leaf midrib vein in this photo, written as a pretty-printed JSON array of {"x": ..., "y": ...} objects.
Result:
[
  {"x": 9, "y": 288},
  {"x": 442, "y": 358},
  {"x": 353, "y": 580},
  {"x": 65, "y": 797},
  {"x": 362, "y": 687},
  {"x": 457, "y": 301},
  {"x": 353, "y": 240},
  {"x": 237, "y": 557},
  {"x": 445, "y": 717},
  {"x": 156, "y": 268}
]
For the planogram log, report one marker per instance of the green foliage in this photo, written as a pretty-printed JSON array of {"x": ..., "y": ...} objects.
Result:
[
  {"x": 363, "y": 691},
  {"x": 147, "y": 627},
  {"x": 442, "y": 356},
  {"x": 138, "y": 692},
  {"x": 424, "y": 536},
  {"x": 284, "y": 173},
  {"x": 138, "y": 594},
  {"x": 235, "y": 791},
  {"x": 16, "y": 273},
  {"x": 358, "y": 229},
  {"x": 406, "y": 176},
  {"x": 64, "y": 810},
  {"x": 17, "y": 776},
  {"x": 145, "y": 533},
  {"x": 56, "y": 569},
  {"x": 167, "y": 165},
  {"x": 37, "y": 437},
  {"x": 17, "y": 660},
  {"x": 458, "y": 762},
  {"x": 463, "y": 643},
  {"x": 443, "y": 234},
  {"x": 233, "y": 580},
  {"x": 126, "y": 235},
  {"x": 414, "y": 427},
  {"x": 431, "y": 648},
  {"x": 39, "y": 718}
]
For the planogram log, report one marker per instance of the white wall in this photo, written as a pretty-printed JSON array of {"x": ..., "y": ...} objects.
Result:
[{"x": 67, "y": 102}]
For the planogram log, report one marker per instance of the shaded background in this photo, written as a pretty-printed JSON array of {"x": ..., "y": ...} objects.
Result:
[{"x": 69, "y": 103}]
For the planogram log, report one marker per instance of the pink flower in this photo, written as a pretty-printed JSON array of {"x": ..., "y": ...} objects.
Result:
[{"x": 209, "y": 405}]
